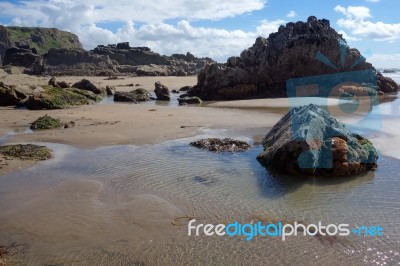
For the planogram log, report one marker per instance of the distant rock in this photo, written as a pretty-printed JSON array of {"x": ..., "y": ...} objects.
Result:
[
  {"x": 262, "y": 70},
  {"x": 37, "y": 40},
  {"x": 110, "y": 90},
  {"x": 189, "y": 100},
  {"x": 58, "y": 84},
  {"x": 85, "y": 84},
  {"x": 308, "y": 140},
  {"x": 162, "y": 92},
  {"x": 221, "y": 145}
]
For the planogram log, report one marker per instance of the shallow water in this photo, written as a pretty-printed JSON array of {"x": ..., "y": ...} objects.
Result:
[
  {"x": 122, "y": 205},
  {"x": 77, "y": 208}
]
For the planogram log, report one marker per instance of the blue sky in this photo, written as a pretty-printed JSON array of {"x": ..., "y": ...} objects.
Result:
[{"x": 218, "y": 29}]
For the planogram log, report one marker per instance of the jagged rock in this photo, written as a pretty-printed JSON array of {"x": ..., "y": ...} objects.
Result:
[
  {"x": 221, "y": 145},
  {"x": 386, "y": 84},
  {"x": 175, "y": 91},
  {"x": 263, "y": 69},
  {"x": 189, "y": 100},
  {"x": 23, "y": 58},
  {"x": 162, "y": 92},
  {"x": 135, "y": 96},
  {"x": 308, "y": 140},
  {"x": 110, "y": 90},
  {"x": 85, "y": 84}
]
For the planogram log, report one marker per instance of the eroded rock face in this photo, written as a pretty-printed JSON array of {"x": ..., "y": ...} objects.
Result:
[
  {"x": 308, "y": 140},
  {"x": 162, "y": 92},
  {"x": 262, "y": 70}
]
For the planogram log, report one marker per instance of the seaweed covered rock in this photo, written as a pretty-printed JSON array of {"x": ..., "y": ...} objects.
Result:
[
  {"x": 57, "y": 98},
  {"x": 221, "y": 145},
  {"x": 46, "y": 122},
  {"x": 308, "y": 140},
  {"x": 26, "y": 152}
]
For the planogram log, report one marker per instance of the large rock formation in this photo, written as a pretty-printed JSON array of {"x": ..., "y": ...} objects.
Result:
[
  {"x": 41, "y": 39},
  {"x": 308, "y": 140},
  {"x": 263, "y": 69}
]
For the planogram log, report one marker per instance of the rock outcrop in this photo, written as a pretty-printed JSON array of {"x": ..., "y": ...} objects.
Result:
[
  {"x": 162, "y": 92},
  {"x": 262, "y": 70},
  {"x": 308, "y": 140},
  {"x": 87, "y": 85},
  {"x": 46, "y": 122}
]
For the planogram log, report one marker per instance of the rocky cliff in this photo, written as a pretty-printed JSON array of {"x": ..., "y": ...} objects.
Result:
[
  {"x": 300, "y": 49},
  {"x": 41, "y": 39}
]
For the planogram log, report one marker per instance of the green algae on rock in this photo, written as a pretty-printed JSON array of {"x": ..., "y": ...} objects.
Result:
[
  {"x": 46, "y": 122},
  {"x": 308, "y": 140},
  {"x": 26, "y": 152}
]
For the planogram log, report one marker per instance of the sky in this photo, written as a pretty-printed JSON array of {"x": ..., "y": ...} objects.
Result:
[{"x": 217, "y": 29}]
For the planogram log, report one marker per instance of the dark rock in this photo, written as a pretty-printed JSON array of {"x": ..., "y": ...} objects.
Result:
[
  {"x": 308, "y": 140},
  {"x": 175, "y": 91},
  {"x": 58, "y": 84},
  {"x": 8, "y": 96},
  {"x": 70, "y": 124},
  {"x": 185, "y": 88},
  {"x": 110, "y": 90},
  {"x": 123, "y": 45},
  {"x": 161, "y": 92},
  {"x": 85, "y": 84},
  {"x": 262, "y": 70},
  {"x": 189, "y": 100},
  {"x": 20, "y": 57},
  {"x": 221, "y": 145}
]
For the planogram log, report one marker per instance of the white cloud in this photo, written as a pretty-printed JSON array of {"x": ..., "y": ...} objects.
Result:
[
  {"x": 348, "y": 37},
  {"x": 56, "y": 12},
  {"x": 291, "y": 14},
  {"x": 84, "y": 18},
  {"x": 357, "y": 23}
]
